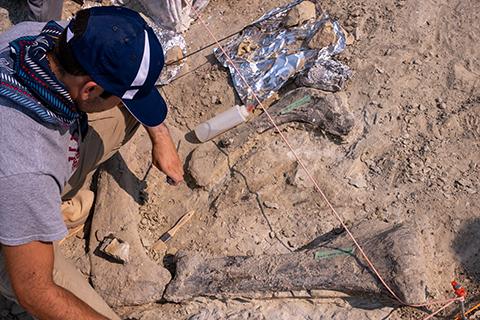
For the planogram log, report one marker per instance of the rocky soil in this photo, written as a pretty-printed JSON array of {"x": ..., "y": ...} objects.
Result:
[{"x": 412, "y": 158}]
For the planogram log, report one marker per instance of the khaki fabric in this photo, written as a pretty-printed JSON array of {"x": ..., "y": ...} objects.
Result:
[
  {"x": 108, "y": 131},
  {"x": 75, "y": 211}
]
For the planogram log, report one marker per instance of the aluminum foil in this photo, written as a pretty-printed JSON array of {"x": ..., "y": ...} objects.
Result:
[
  {"x": 325, "y": 74},
  {"x": 268, "y": 54},
  {"x": 168, "y": 39}
]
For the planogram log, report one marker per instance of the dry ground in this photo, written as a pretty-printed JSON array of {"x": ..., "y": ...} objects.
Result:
[{"x": 414, "y": 157}]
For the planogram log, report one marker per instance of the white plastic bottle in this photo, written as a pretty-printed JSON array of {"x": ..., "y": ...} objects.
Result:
[{"x": 221, "y": 123}]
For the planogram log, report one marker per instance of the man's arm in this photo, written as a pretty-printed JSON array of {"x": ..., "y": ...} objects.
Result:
[
  {"x": 164, "y": 154},
  {"x": 30, "y": 268}
]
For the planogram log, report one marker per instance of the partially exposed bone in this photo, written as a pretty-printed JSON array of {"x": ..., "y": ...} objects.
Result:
[
  {"x": 326, "y": 111},
  {"x": 323, "y": 111},
  {"x": 329, "y": 265}
]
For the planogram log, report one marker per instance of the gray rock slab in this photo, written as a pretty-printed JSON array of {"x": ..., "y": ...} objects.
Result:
[
  {"x": 326, "y": 308},
  {"x": 139, "y": 281},
  {"x": 208, "y": 165}
]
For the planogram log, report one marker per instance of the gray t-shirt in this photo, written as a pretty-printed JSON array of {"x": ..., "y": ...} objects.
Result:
[{"x": 35, "y": 164}]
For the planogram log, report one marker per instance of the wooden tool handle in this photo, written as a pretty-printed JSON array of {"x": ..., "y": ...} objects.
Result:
[{"x": 183, "y": 220}]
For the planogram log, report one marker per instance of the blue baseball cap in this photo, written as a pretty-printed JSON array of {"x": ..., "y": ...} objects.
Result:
[{"x": 121, "y": 53}]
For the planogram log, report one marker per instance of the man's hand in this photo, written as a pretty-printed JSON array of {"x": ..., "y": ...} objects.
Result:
[
  {"x": 30, "y": 268},
  {"x": 164, "y": 155}
]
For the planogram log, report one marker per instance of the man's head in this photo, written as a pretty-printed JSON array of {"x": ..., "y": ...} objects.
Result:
[{"x": 108, "y": 55}]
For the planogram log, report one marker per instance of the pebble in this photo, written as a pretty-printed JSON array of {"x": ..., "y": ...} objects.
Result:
[
  {"x": 440, "y": 103},
  {"x": 271, "y": 205},
  {"x": 462, "y": 182},
  {"x": 303, "y": 12},
  {"x": 216, "y": 100},
  {"x": 146, "y": 242},
  {"x": 457, "y": 222},
  {"x": 358, "y": 181}
]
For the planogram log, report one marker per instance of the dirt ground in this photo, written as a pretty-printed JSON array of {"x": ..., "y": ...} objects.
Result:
[{"x": 414, "y": 157}]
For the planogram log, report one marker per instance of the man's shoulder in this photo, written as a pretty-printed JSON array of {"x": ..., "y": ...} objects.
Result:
[
  {"x": 19, "y": 30},
  {"x": 27, "y": 28},
  {"x": 24, "y": 142}
]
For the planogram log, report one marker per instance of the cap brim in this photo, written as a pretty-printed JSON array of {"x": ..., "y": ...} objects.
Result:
[{"x": 150, "y": 110}]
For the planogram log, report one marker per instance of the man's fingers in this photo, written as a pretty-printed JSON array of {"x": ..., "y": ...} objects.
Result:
[
  {"x": 174, "y": 176},
  {"x": 171, "y": 181}
]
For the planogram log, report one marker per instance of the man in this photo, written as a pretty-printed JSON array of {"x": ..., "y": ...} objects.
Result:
[{"x": 105, "y": 56}]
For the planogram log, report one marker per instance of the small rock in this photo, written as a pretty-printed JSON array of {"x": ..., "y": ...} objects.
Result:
[
  {"x": 216, "y": 100},
  {"x": 440, "y": 103},
  {"x": 271, "y": 234},
  {"x": 174, "y": 55},
  {"x": 300, "y": 13},
  {"x": 116, "y": 248},
  {"x": 146, "y": 242},
  {"x": 462, "y": 182},
  {"x": 324, "y": 37},
  {"x": 246, "y": 46},
  {"x": 271, "y": 205},
  {"x": 358, "y": 33},
  {"x": 461, "y": 78},
  {"x": 208, "y": 165},
  {"x": 358, "y": 181},
  {"x": 349, "y": 38},
  {"x": 457, "y": 223},
  {"x": 299, "y": 178},
  {"x": 282, "y": 294}
]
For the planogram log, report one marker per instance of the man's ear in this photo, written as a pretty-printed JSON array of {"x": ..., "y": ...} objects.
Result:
[{"x": 89, "y": 90}]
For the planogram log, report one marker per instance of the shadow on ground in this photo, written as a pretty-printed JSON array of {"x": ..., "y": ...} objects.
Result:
[{"x": 467, "y": 249}]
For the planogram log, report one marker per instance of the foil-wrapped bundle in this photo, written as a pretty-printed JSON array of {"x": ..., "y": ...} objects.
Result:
[{"x": 282, "y": 44}]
